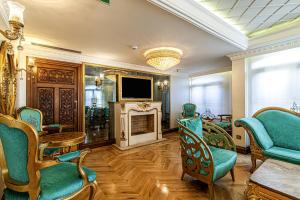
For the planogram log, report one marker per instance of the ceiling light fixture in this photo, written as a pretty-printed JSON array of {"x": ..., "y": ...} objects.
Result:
[{"x": 163, "y": 58}]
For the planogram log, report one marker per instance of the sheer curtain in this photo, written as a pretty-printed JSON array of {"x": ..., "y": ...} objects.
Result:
[
  {"x": 212, "y": 93},
  {"x": 274, "y": 80}
]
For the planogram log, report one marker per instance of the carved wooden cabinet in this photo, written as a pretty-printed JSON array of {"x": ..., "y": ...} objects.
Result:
[{"x": 55, "y": 89}]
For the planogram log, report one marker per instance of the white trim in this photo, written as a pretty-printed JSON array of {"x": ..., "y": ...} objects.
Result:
[
  {"x": 199, "y": 16},
  {"x": 278, "y": 46}
]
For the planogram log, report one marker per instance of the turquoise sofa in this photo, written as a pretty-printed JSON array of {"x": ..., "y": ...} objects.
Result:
[{"x": 274, "y": 133}]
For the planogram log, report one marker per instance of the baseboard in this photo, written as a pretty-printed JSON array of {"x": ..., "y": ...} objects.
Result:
[
  {"x": 243, "y": 150},
  {"x": 171, "y": 130}
]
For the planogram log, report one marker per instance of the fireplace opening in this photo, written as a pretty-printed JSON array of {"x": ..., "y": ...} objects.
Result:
[{"x": 141, "y": 124}]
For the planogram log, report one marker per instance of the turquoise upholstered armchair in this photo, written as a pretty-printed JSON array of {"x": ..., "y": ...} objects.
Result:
[
  {"x": 189, "y": 110},
  {"x": 26, "y": 177},
  {"x": 274, "y": 133},
  {"x": 35, "y": 118},
  {"x": 208, "y": 153}
]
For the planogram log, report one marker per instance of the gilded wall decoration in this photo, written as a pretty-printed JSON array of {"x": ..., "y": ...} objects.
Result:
[{"x": 8, "y": 81}]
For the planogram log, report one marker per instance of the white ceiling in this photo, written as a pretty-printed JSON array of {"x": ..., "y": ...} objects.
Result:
[
  {"x": 109, "y": 31},
  {"x": 254, "y": 15}
]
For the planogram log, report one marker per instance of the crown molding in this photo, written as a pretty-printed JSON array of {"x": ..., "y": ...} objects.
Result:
[
  {"x": 270, "y": 48},
  {"x": 42, "y": 52},
  {"x": 202, "y": 18}
]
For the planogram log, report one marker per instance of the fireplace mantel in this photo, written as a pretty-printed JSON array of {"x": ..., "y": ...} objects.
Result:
[{"x": 136, "y": 123}]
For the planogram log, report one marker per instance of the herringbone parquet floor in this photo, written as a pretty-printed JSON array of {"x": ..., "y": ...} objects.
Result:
[{"x": 153, "y": 172}]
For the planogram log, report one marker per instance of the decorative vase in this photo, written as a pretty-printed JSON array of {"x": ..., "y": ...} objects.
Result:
[{"x": 8, "y": 81}]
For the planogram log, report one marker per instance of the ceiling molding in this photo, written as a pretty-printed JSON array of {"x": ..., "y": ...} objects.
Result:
[
  {"x": 283, "y": 45},
  {"x": 35, "y": 51},
  {"x": 200, "y": 17}
]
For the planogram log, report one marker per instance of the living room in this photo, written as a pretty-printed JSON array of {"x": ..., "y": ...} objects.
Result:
[{"x": 150, "y": 99}]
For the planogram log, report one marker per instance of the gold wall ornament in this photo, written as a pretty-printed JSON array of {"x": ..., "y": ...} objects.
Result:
[
  {"x": 8, "y": 80},
  {"x": 163, "y": 58}
]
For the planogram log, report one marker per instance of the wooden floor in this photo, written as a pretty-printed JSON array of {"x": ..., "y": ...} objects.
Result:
[{"x": 153, "y": 172}]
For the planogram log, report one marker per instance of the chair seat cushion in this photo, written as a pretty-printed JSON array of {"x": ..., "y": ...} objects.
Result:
[
  {"x": 224, "y": 160},
  {"x": 57, "y": 182},
  {"x": 288, "y": 155}
]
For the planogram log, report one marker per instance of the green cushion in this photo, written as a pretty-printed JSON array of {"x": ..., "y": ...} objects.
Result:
[
  {"x": 15, "y": 145},
  {"x": 284, "y": 154},
  {"x": 283, "y": 128},
  {"x": 33, "y": 117},
  {"x": 260, "y": 134},
  {"x": 57, "y": 182},
  {"x": 224, "y": 161},
  {"x": 194, "y": 124},
  {"x": 54, "y": 125},
  {"x": 189, "y": 109}
]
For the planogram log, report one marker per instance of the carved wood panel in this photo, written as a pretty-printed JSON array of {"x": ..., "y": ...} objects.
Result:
[
  {"x": 66, "y": 106},
  {"x": 59, "y": 104},
  {"x": 46, "y": 75},
  {"x": 46, "y": 104}
]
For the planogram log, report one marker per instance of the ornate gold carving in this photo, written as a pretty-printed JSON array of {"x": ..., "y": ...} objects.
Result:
[
  {"x": 46, "y": 75},
  {"x": 66, "y": 106},
  {"x": 144, "y": 106},
  {"x": 8, "y": 81}
]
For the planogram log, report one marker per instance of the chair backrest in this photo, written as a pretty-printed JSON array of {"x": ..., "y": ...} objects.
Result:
[
  {"x": 282, "y": 125},
  {"x": 32, "y": 116},
  {"x": 197, "y": 159},
  {"x": 194, "y": 124},
  {"x": 19, "y": 154},
  {"x": 189, "y": 109}
]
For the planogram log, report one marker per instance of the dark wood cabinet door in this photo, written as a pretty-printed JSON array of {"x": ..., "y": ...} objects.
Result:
[{"x": 55, "y": 89}]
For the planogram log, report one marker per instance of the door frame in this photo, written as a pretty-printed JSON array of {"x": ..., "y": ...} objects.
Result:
[{"x": 33, "y": 75}]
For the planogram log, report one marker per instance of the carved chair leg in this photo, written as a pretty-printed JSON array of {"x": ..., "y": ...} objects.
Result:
[
  {"x": 211, "y": 191},
  {"x": 232, "y": 174},
  {"x": 253, "y": 160},
  {"x": 182, "y": 175},
  {"x": 93, "y": 190}
]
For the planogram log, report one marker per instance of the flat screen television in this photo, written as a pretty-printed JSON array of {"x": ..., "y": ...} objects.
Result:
[{"x": 133, "y": 88}]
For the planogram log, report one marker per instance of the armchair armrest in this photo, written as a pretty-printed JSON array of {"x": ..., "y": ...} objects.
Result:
[
  {"x": 216, "y": 136},
  {"x": 79, "y": 155}
]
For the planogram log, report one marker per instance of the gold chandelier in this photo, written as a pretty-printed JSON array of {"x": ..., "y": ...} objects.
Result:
[{"x": 163, "y": 58}]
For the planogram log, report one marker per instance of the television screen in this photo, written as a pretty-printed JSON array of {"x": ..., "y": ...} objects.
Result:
[{"x": 136, "y": 88}]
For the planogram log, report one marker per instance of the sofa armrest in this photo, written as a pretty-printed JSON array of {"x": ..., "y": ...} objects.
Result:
[{"x": 256, "y": 130}]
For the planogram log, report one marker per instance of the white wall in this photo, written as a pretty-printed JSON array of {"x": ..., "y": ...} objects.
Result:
[
  {"x": 179, "y": 87},
  {"x": 179, "y": 91}
]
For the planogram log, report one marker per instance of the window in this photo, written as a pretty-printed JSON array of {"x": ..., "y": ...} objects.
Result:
[
  {"x": 273, "y": 80},
  {"x": 212, "y": 93}
]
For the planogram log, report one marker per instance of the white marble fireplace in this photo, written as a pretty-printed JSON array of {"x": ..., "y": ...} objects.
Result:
[{"x": 137, "y": 123}]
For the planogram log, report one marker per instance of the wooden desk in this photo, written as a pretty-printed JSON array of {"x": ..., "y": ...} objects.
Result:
[
  {"x": 275, "y": 180},
  {"x": 63, "y": 140}
]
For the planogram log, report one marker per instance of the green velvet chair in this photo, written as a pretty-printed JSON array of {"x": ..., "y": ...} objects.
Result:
[
  {"x": 189, "y": 110},
  {"x": 26, "y": 177},
  {"x": 35, "y": 118},
  {"x": 208, "y": 152},
  {"x": 274, "y": 133}
]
